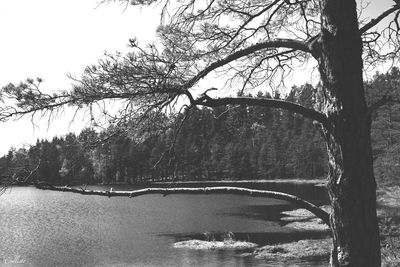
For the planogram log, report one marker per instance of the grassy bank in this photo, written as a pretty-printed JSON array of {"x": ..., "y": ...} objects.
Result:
[
  {"x": 302, "y": 220},
  {"x": 388, "y": 200}
]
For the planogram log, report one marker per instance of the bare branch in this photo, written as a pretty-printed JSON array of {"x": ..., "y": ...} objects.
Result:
[
  {"x": 378, "y": 19},
  {"x": 323, "y": 215},
  {"x": 265, "y": 102},
  {"x": 278, "y": 43},
  {"x": 26, "y": 179},
  {"x": 14, "y": 179}
]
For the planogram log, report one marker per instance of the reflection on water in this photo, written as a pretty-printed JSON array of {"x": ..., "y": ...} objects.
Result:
[{"x": 44, "y": 228}]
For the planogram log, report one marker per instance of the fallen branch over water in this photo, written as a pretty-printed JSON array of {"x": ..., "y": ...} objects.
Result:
[{"x": 301, "y": 203}]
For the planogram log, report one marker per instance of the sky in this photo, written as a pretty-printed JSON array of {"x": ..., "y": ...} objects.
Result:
[{"x": 51, "y": 38}]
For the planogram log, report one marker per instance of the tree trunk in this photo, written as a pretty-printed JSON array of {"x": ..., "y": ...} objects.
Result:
[{"x": 351, "y": 186}]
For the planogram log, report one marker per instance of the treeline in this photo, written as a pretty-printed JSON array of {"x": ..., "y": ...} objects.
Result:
[
  {"x": 232, "y": 142},
  {"x": 385, "y": 130}
]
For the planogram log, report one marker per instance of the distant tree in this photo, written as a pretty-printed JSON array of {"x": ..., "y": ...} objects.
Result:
[
  {"x": 254, "y": 43},
  {"x": 386, "y": 127},
  {"x": 51, "y": 156}
]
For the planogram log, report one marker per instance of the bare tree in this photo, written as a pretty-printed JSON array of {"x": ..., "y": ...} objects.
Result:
[{"x": 249, "y": 44}]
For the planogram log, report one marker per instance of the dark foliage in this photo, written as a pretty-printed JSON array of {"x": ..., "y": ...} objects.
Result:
[{"x": 231, "y": 142}]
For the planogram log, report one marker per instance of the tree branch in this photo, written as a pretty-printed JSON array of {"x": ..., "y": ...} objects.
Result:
[
  {"x": 26, "y": 179},
  {"x": 323, "y": 215},
  {"x": 278, "y": 43},
  {"x": 265, "y": 102},
  {"x": 13, "y": 179},
  {"x": 378, "y": 19},
  {"x": 6, "y": 113}
]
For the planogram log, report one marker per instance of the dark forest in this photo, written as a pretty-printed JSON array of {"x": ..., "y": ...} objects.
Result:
[{"x": 231, "y": 142}]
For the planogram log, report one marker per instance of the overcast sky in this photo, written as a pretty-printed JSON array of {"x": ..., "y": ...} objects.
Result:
[{"x": 50, "y": 38}]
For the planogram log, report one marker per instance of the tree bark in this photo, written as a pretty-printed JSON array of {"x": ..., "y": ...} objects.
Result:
[{"x": 351, "y": 186}]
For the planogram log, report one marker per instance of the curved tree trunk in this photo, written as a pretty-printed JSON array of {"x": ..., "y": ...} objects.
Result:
[{"x": 351, "y": 185}]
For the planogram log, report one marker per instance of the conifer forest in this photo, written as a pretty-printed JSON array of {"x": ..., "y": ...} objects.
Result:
[{"x": 230, "y": 142}]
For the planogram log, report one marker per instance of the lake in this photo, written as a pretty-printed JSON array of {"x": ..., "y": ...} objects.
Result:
[{"x": 46, "y": 228}]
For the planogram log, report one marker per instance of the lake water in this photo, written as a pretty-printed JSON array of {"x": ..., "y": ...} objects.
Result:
[{"x": 45, "y": 228}]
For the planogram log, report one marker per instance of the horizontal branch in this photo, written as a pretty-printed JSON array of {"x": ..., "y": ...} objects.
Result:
[
  {"x": 265, "y": 102},
  {"x": 278, "y": 43},
  {"x": 375, "y": 21},
  {"x": 323, "y": 215},
  {"x": 7, "y": 113}
]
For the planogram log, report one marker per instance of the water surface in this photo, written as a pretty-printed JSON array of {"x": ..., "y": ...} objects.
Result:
[{"x": 45, "y": 228}]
